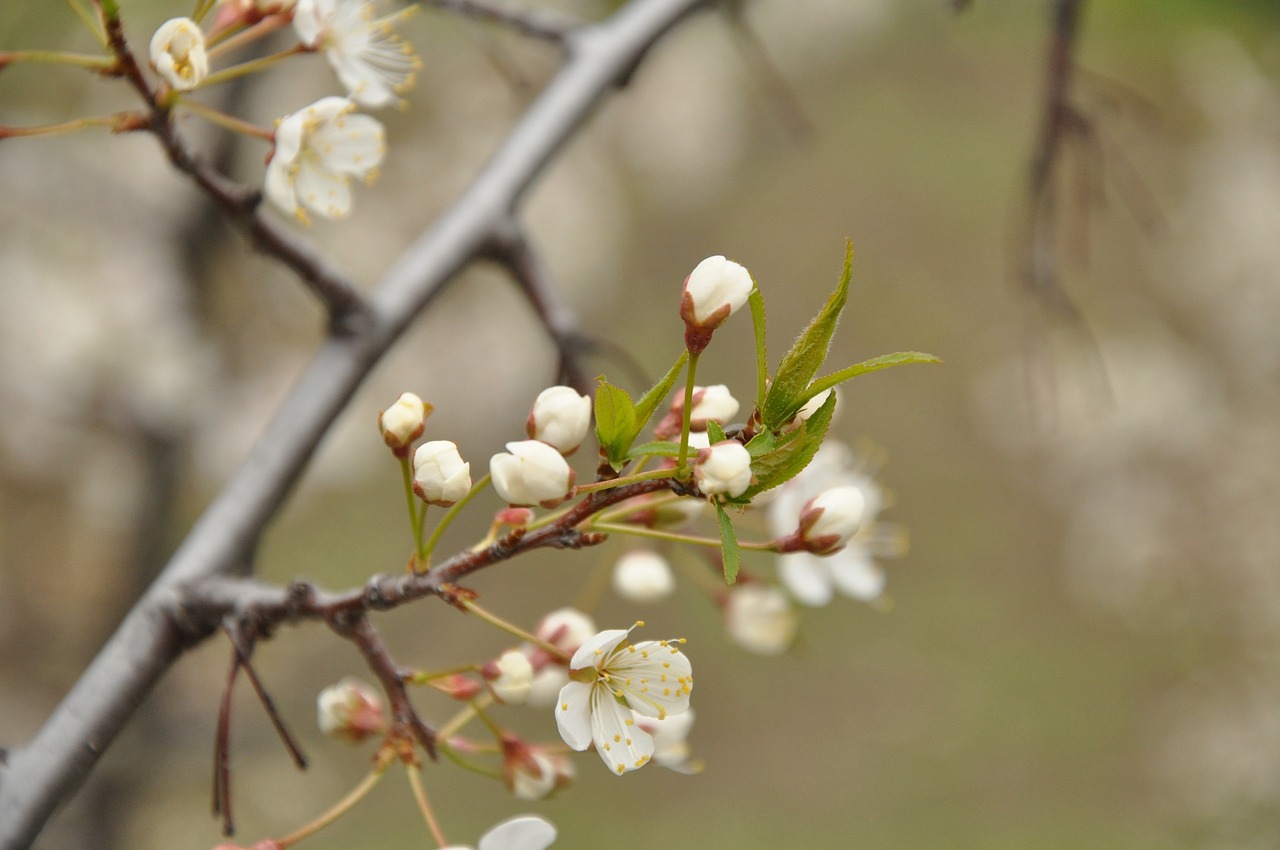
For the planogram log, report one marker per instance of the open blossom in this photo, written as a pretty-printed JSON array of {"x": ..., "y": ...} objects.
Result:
[
  {"x": 318, "y": 150},
  {"x": 723, "y": 468},
  {"x": 671, "y": 740},
  {"x": 643, "y": 575},
  {"x": 560, "y": 417},
  {"x": 526, "y": 832},
  {"x": 402, "y": 422},
  {"x": 531, "y": 472},
  {"x": 609, "y": 680},
  {"x": 440, "y": 476},
  {"x": 759, "y": 619},
  {"x": 178, "y": 53},
  {"x": 350, "y": 709},
  {"x": 372, "y": 62}
]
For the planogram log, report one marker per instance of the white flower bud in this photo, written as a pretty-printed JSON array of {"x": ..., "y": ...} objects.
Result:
[
  {"x": 566, "y": 629},
  {"x": 510, "y": 677},
  {"x": 531, "y": 472},
  {"x": 829, "y": 520},
  {"x": 440, "y": 477},
  {"x": 178, "y": 54},
  {"x": 811, "y": 406},
  {"x": 402, "y": 423},
  {"x": 560, "y": 417},
  {"x": 534, "y": 773},
  {"x": 350, "y": 709},
  {"x": 723, "y": 468},
  {"x": 643, "y": 575},
  {"x": 714, "y": 290},
  {"x": 711, "y": 403},
  {"x": 760, "y": 619}
]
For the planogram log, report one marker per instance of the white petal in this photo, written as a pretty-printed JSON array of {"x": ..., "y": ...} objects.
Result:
[
  {"x": 857, "y": 575},
  {"x": 573, "y": 715},
  {"x": 807, "y": 576},
  {"x": 322, "y": 191},
  {"x": 279, "y": 187},
  {"x": 654, "y": 677},
  {"x": 622, "y": 745},
  {"x": 526, "y": 832},
  {"x": 351, "y": 144},
  {"x": 598, "y": 646}
]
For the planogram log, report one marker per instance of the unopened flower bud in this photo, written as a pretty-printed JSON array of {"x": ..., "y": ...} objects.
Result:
[
  {"x": 566, "y": 629},
  {"x": 402, "y": 423},
  {"x": 831, "y": 518},
  {"x": 713, "y": 291},
  {"x": 531, "y": 472},
  {"x": 759, "y": 619},
  {"x": 440, "y": 477},
  {"x": 458, "y": 686},
  {"x": 723, "y": 468},
  {"x": 643, "y": 575},
  {"x": 350, "y": 709},
  {"x": 560, "y": 418},
  {"x": 709, "y": 403},
  {"x": 178, "y": 53},
  {"x": 532, "y": 772},
  {"x": 510, "y": 677}
]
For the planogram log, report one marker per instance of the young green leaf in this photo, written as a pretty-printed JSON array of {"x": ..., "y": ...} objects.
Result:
[
  {"x": 615, "y": 421},
  {"x": 657, "y": 448},
  {"x": 715, "y": 434},
  {"x": 806, "y": 356},
  {"x": 785, "y": 462},
  {"x": 756, "y": 301},
  {"x": 884, "y": 361},
  {"x": 728, "y": 546}
]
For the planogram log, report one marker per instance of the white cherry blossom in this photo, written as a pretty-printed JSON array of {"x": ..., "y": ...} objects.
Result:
[
  {"x": 642, "y": 575},
  {"x": 526, "y": 832},
  {"x": 609, "y": 680},
  {"x": 318, "y": 150},
  {"x": 178, "y": 53},
  {"x": 372, "y": 62},
  {"x": 759, "y": 619}
]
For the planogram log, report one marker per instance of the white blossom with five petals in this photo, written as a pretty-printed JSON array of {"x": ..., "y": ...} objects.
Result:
[
  {"x": 610, "y": 680},
  {"x": 318, "y": 150},
  {"x": 374, "y": 64}
]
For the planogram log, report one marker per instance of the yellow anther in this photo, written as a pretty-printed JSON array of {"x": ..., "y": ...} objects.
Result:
[
  {"x": 617, "y": 738},
  {"x": 639, "y": 624}
]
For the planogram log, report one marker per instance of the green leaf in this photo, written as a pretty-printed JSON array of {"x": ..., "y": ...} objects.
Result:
[
  {"x": 785, "y": 462},
  {"x": 715, "y": 434},
  {"x": 756, "y": 300},
  {"x": 649, "y": 401},
  {"x": 728, "y": 546},
  {"x": 806, "y": 356},
  {"x": 875, "y": 364},
  {"x": 615, "y": 421},
  {"x": 659, "y": 448}
]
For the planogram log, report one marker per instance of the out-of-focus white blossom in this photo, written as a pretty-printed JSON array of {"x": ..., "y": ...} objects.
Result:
[
  {"x": 351, "y": 710},
  {"x": 642, "y": 575},
  {"x": 652, "y": 678},
  {"x": 402, "y": 422},
  {"x": 532, "y": 772},
  {"x": 709, "y": 403},
  {"x": 723, "y": 468},
  {"x": 560, "y": 417},
  {"x": 530, "y": 472},
  {"x": 759, "y": 619},
  {"x": 178, "y": 53},
  {"x": 372, "y": 61},
  {"x": 671, "y": 740},
  {"x": 440, "y": 476},
  {"x": 526, "y": 832},
  {"x": 510, "y": 677},
  {"x": 566, "y": 629},
  {"x": 813, "y": 578},
  {"x": 318, "y": 150}
]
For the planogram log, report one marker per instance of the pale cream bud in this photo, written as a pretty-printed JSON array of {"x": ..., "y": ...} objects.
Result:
[
  {"x": 560, "y": 417},
  {"x": 829, "y": 520},
  {"x": 531, "y": 472},
  {"x": 723, "y": 468},
  {"x": 510, "y": 677},
  {"x": 440, "y": 477},
  {"x": 643, "y": 575},
  {"x": 351, "y": 710},
  {"x": 402, "y": 423}
]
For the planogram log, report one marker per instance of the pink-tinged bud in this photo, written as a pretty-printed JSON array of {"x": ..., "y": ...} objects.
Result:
[
  {"x": 178, "y": 53},
  {"x": 510, "y": 677},
  {"x": 532, "y": 772},
  {"x": 350, "y": 709},
  {"x": 713, "y": 291},
  {"x": 643, "y": 575},
  {"x": 531, "y": 472},
  {"x": 402, "y": 423},
  {"x": 829, "y": 520},
  {"x": 458, "y": 686},
  {"x": 560, "y": 418},
  {"x": 723, "y": 468},
  {"x": 514, "y": 517},
  {"x": 709, "y": 403},
  {"x": 440, "y": 477},
  {"x": 759, "y": 619}
]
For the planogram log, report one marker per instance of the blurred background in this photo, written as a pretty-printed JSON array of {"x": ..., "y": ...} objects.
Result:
[{"x": 1079, "y": 648}]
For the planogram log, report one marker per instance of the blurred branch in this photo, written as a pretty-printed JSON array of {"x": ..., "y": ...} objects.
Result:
[
  {"x": 533, "y": 23},
  {"x": 35, "y": 778}
]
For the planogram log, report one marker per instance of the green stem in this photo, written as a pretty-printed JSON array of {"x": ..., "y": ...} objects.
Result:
[
  {"x": 628, "y": 508},
  {"x": 657, "y": 534},
  {"x": 462, "y": 718},
  {"x": 203, "y": 7},
  {"x": 340, "y": 808},
  {"x": 222, "y": 119},
  {"x": 509, "y": 628},
  {"x": 112, "y": 121},
  {"x": 420, "y": 794},
  {"x": 628, "y": 479},
  {"x": 78, "y": 60},
  {"x": 426, "y": 677},
  {"x": 250, "y": 67},
  {"x": 494, "y": 728},
  {"x": 415, "y": 519},
  {"x": 682, "y": 469},
  {"x": 449, "y": 517},
  {"x": 91, "y": 23},
  {"x": 453, "y": 756}
]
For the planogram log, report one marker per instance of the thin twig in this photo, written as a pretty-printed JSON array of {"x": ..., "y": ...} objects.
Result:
[{"x": 538, "y": 24}]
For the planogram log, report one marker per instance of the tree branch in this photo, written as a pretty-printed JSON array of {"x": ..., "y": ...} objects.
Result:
[{"x": 38, "y": 776}]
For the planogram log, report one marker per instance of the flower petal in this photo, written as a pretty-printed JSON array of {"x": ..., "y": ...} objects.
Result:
[
  {"x": 526, "y": 832},
  {"x": 597, "y": 647},
  {"x": 622, "y": 745},
  {"x": 855, "y": 574},
  {"x": 807, "y": 576},
  {"x": 573, "y": 714},
  {"x": 653, "y": 677}
]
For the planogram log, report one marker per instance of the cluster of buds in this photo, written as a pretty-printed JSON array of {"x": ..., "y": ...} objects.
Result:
[{"x": 534, "y": 471}]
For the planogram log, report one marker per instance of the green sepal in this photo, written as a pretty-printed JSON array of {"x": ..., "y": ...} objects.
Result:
[
  {"x": 875, "y": 364},
  {"x": 791, "y": 454},
  {"x": 715, "y": 434},
  {"x": 729, "y": 551},
  {"x": 791, "y": 385},
  {"x": 615, "y": 421},
  {"x": 650, "y": 400}
]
